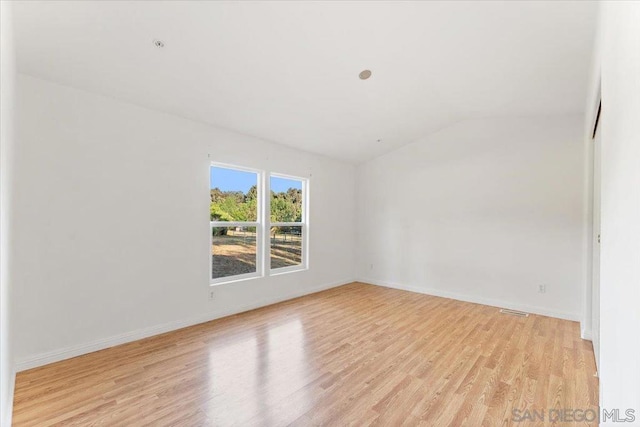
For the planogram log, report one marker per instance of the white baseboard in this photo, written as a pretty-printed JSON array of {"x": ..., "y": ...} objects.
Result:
[
  {"x": 476, "y": 299},
  {"x": 100, "y": 344},
  {"x": 6, "y": 418},
  {"x": 586, "y": 334}
]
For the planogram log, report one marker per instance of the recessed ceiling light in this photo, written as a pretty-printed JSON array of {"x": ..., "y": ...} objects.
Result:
[
  {"x": 158, "y": 43},
  {"x": 364, "y": 74}
]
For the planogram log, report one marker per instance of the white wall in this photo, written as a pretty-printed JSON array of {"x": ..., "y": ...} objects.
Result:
[
  {"x": 485, "y": 210},
  {"x": 112, "y": 222},
  {"x": 7, "y": 101},
  {"x": 620, "y": 214}
]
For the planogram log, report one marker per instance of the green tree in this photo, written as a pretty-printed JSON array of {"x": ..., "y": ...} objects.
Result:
[{"x": 237, "y": 206}]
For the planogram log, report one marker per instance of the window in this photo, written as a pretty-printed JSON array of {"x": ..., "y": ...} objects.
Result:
[
  {"x": 287, "y": 223},
  {"x": 251, "y": 235},
  {"x": 235, "y": 224}
]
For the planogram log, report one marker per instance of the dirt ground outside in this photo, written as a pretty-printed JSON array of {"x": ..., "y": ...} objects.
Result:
[{"x": 235, "y": 253}]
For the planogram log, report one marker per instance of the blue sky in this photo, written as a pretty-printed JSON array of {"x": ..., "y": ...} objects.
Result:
[
  {"x": 279, "y": 185},
  {"x": 235, "y": 180}
]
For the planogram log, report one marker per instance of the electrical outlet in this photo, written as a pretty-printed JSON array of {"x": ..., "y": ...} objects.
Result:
[
  {"x": 211, "y": 295},
  {"x": 542, "y": 289}
]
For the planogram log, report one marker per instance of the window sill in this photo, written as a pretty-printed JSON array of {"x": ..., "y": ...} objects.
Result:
[
  {"x": 287, "y": 270},
  {"x": 244, "y": 278},
  {"x": 235, "y": 279}
]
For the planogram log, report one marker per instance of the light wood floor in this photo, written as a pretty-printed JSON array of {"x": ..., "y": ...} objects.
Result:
[{"x": 357, "y": 354}]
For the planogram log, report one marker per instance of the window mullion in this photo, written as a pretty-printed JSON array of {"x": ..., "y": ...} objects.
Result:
[
  {"x": 234, "y": 224},
  {"x": 286, "y": 224},
  {"x": 266, "y": 217}
]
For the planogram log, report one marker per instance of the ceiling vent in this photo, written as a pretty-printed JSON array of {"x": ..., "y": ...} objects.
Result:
[{"x": 364, "y": 74}]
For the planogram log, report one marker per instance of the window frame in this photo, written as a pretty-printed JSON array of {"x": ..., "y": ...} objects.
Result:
[
  {"x": 258, "y": 224},
  {"x": 263, "y": 226},
  {"x": 304, "y": 224}
]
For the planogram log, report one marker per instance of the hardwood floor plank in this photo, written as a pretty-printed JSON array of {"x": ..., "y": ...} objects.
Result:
[{"x": 353, "y": 355}]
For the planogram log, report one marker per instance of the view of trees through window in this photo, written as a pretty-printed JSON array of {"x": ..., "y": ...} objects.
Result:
[
  {"x": 235, "y": 198},
  {"x": 286, "y": 216}
]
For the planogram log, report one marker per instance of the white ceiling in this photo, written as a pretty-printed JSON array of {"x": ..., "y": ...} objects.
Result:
[{"x": 288, "y": 71}]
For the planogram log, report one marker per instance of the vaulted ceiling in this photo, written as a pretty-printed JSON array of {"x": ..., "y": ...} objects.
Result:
[{"x": 288, "y": 71}]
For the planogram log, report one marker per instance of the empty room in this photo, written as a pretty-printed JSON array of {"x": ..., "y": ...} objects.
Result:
[{"x": 319, "y": 213}]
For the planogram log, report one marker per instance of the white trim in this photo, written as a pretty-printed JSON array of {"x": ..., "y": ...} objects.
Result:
[
  {"x": 101, "y": 344},
  {"x": 596, "y": 229},
  {"x": 230, "y": 224},
  {"x": 585, "y": 334},
  {"x": 476, "y": 300},
  {"x": 261, "y": 267},
  {"x": 265, "y": 215},
  {"x": 286, "y": 224},
  {"x": 235, "y": 278},
  {"x": 234, "y": 167},
  {"x": 7, "y": 418},
  {"x": 306, "y": 204},
  {"x": 291, "y": 177},
  {"x": 289, "y": 269}
]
